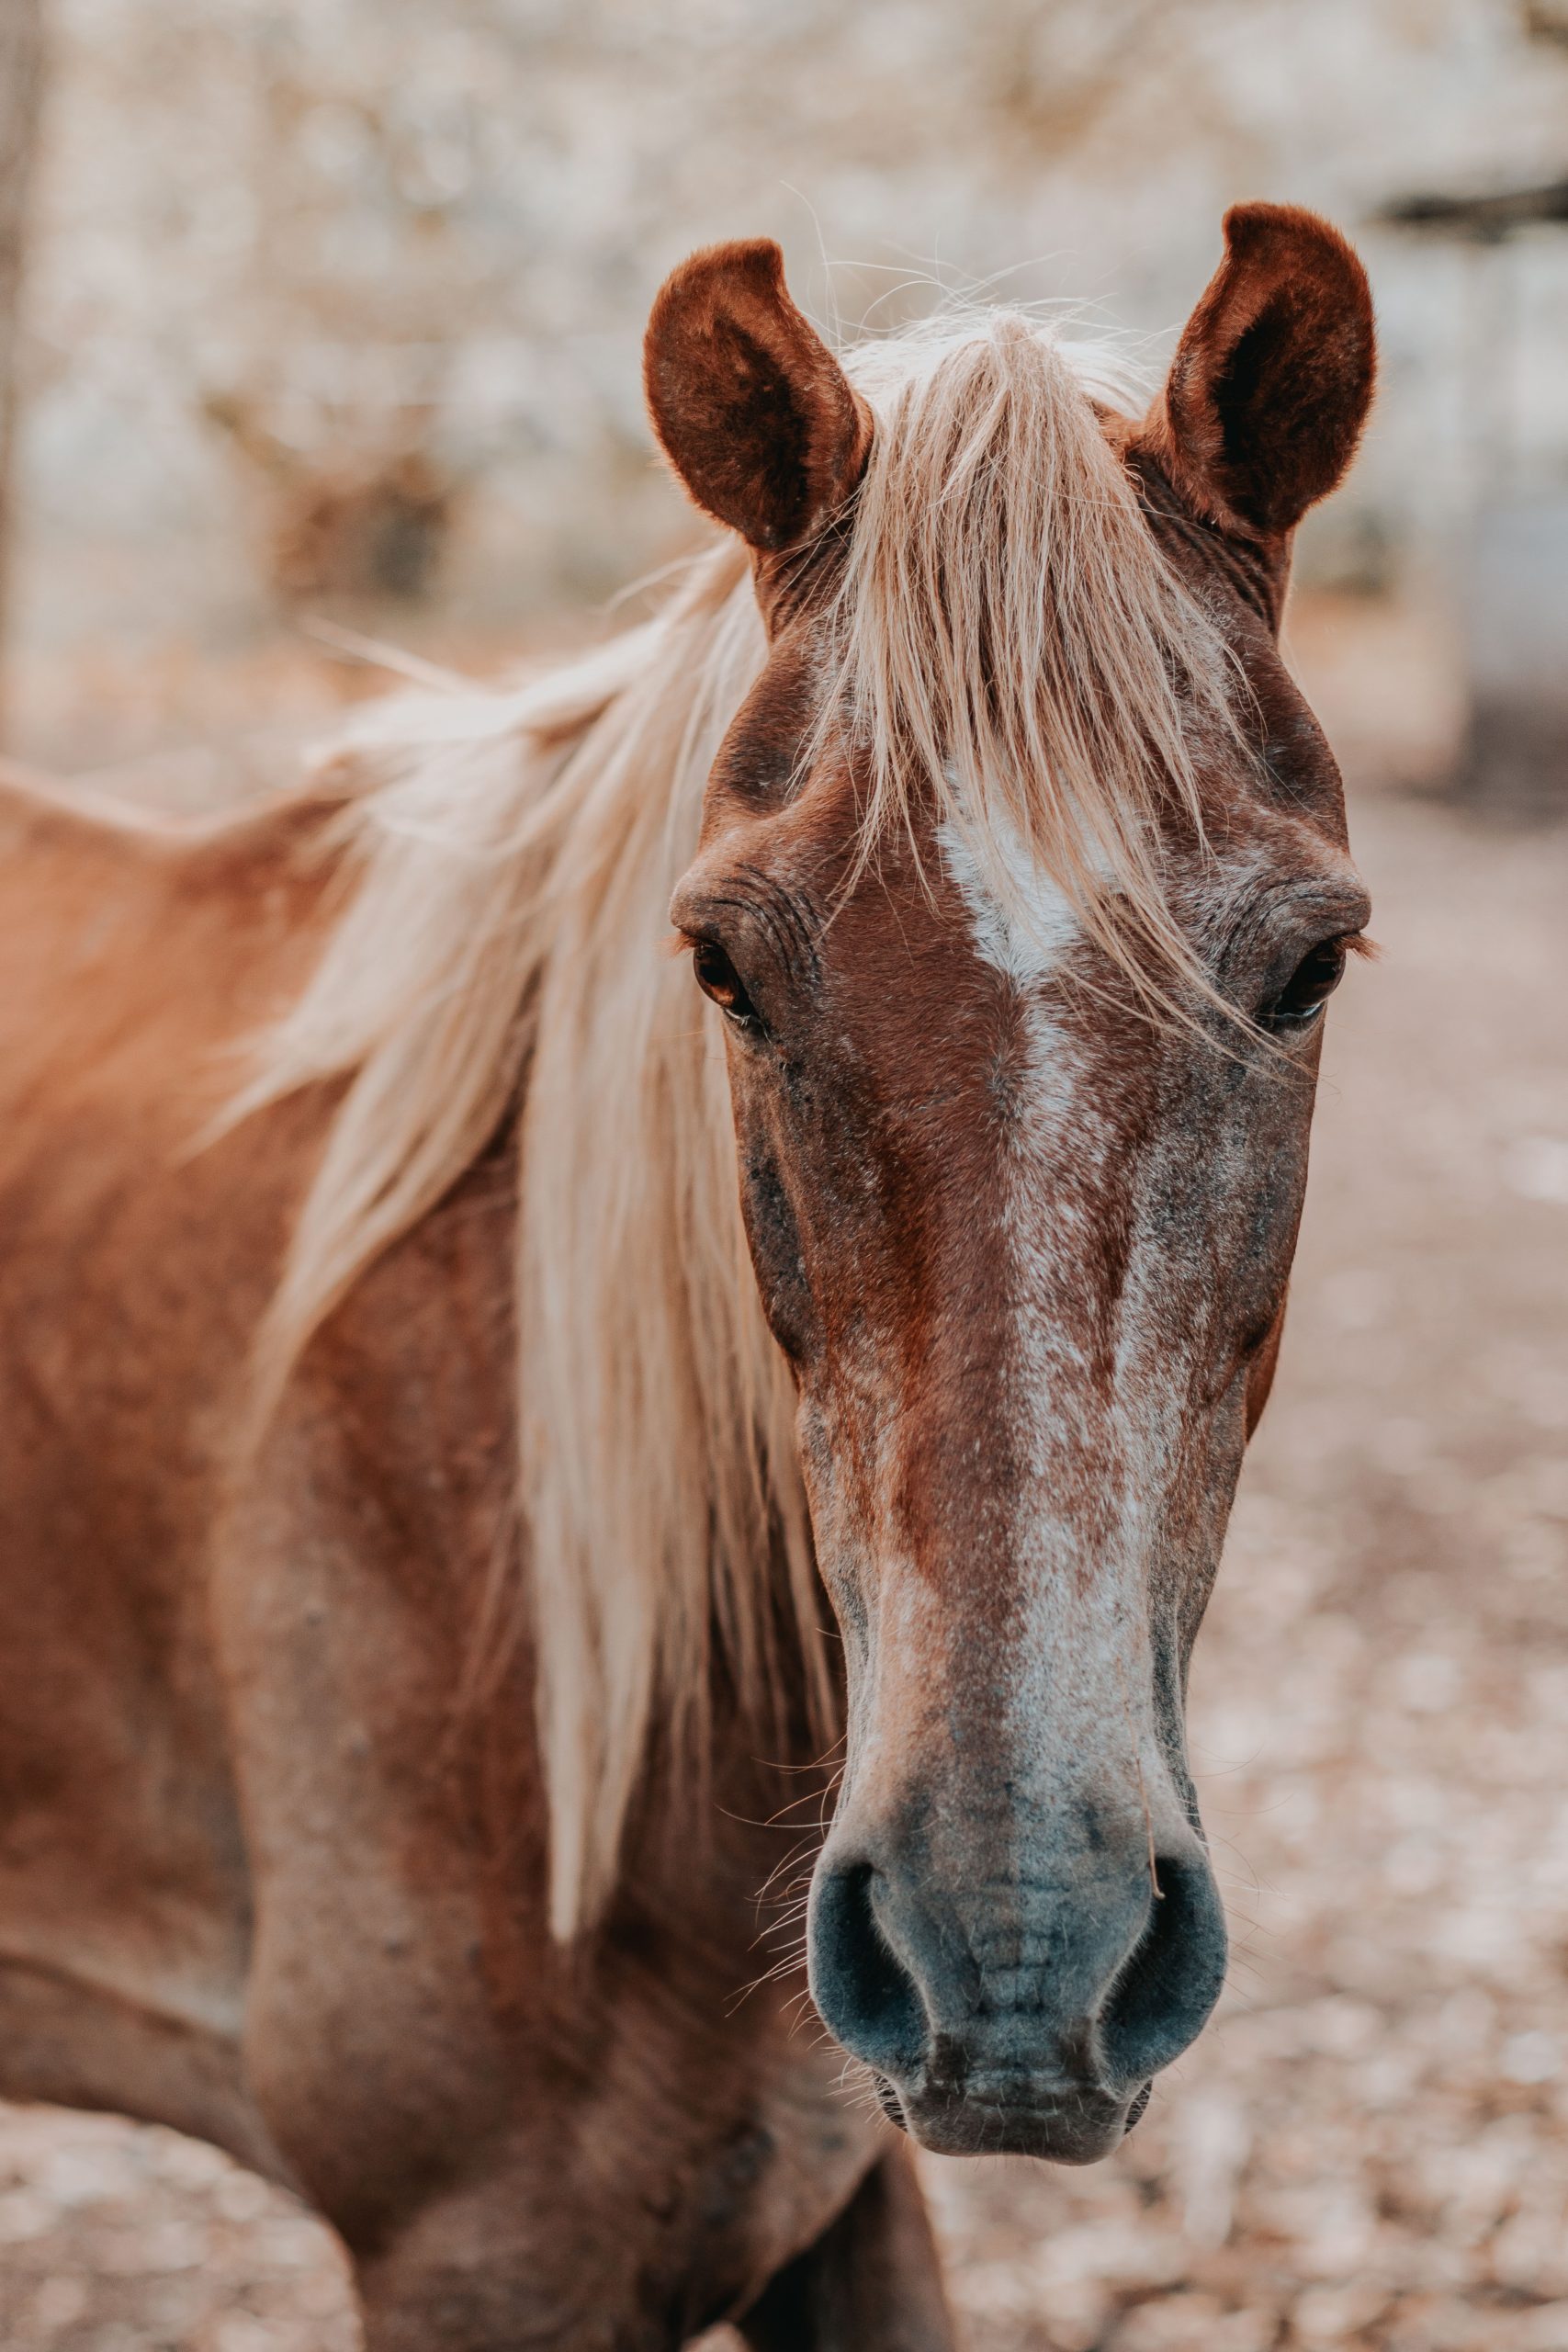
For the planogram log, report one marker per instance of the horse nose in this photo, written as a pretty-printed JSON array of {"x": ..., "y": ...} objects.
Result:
[
  {"x": 1025, "y": 2016},
  {"x": 866, "y": 1994}
]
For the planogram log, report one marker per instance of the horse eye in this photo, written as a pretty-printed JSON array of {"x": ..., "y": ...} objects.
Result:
[
  {"x": 1307, "y": 990},
  {"x": 717, "y": 979}
]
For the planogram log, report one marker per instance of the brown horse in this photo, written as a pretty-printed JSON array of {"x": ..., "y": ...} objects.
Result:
[{"x": 441, "y": 1356}]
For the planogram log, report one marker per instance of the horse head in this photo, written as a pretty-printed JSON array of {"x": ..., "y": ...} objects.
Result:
[{"x": 1022, "y": 881}]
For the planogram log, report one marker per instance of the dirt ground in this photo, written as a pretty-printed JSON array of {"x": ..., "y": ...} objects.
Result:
[{"x": 1369, "y": 2147}]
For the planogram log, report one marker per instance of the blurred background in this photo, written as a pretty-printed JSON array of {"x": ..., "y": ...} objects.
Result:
[{"x": 320, "y": 315}]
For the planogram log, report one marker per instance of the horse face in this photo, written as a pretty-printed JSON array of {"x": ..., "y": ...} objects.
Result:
[{"x": 1026, "y": 1250}]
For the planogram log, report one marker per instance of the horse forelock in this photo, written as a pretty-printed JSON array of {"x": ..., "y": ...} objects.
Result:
[
  {"x": 1010, "y": 638},
  {"x": 1002, "y": 633}
]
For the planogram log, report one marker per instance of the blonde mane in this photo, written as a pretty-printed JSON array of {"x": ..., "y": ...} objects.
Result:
[{"x": 1007, "y": 635}]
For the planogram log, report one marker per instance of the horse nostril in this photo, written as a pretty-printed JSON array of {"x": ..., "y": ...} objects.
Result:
[
  {"x": 1171, "y": 1978},
  {"x": 865, "y": 1996}
]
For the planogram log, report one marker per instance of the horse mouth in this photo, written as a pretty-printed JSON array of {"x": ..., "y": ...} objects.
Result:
[
  {"x": 1064, "y": 2128},
  {"x": 891, "y": 2103}
]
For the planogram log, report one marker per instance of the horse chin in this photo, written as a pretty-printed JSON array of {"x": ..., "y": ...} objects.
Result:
[{"x": 1072, "y": 2129}]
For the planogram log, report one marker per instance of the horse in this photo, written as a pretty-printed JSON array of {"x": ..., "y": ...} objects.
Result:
[{"x": 687, "y": 1240}]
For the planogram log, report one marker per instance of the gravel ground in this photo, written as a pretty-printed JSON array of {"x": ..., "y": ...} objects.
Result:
[{"x": 1369, "y": 2146}]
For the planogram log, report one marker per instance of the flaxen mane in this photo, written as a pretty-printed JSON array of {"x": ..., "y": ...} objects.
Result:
[{"x": 1006, "y": 629}]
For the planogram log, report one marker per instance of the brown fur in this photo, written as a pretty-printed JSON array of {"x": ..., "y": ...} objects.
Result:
[
  {"x": 1273, "y": 376},
  {"x": 748, "y": 400},
  {"x": 265, "y": 1875}
]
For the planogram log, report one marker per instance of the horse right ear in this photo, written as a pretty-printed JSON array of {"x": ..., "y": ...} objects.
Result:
[
  {"x": 1273, "y": 376},
  {"x": 751, "y": 408}
]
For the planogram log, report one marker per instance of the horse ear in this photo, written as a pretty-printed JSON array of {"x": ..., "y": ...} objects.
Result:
[
  {"x": 753, "y": 411},
  {"x": 1273, "y": 376}
]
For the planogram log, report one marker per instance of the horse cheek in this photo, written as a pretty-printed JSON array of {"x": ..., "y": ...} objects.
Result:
[
  {"x": 778, "y": 1258},
  {"x": 1260, "y": 1375}
]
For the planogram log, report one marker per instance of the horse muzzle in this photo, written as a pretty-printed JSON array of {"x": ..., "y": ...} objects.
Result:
[{"x": 1026, "y": 2015}]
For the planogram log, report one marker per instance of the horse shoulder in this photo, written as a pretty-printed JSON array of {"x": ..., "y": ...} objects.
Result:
[{"x": 132, "y": 1269}]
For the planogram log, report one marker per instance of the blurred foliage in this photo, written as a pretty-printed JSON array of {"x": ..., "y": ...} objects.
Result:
[{"x": 388, "y": 234}]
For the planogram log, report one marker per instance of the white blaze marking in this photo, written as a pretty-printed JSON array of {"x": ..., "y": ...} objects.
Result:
[
  {"x": 1081, "y": 1683},
  {"x": 1025, "y": 933}
]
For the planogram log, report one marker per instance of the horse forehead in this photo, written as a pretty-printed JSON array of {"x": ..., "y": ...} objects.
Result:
[{"x": 1021, "y": 922}]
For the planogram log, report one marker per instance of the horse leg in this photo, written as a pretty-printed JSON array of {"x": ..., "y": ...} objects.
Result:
[
  {"x": 456, "y": 2278},
  {"x": 514, "y": 2261},
  {"x": 871, "y": 2283},
  {"x": 505, "y": 2263}
]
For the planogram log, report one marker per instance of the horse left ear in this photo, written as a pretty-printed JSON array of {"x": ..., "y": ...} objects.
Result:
[
  {"x": 753, "y": 411},
  {"x": 1273, "y": 376}
]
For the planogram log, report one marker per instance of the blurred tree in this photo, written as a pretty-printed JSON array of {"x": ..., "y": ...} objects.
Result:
[
  {"x": 21, "y": 81},
  {"x": 341, "y": 300},
  {"x": 360, "y": 519},
  {"x": 1547, "y": 20}
]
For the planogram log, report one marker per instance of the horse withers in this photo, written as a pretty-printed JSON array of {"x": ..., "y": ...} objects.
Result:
[{"x": 451, "y": 1375}]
